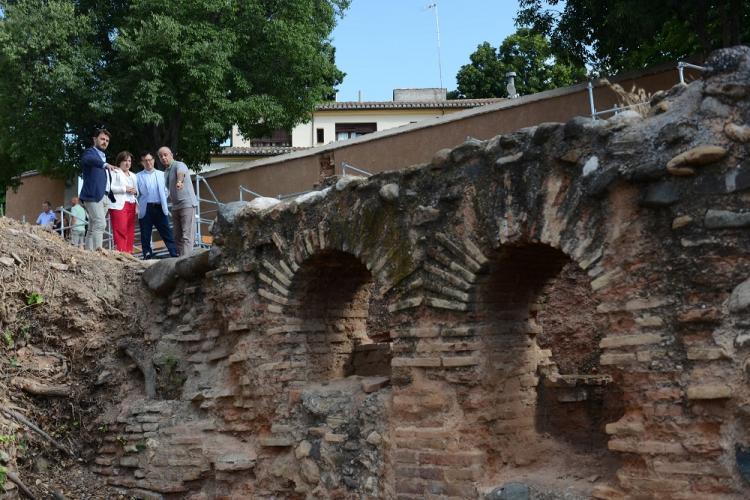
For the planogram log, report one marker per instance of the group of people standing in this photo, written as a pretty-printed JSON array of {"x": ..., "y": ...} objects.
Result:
[{"x": 125, "y": 195}]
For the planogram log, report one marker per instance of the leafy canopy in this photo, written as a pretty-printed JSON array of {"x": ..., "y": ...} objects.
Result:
[
  {"x": 619, "y": 35},
  {"x": 156, "y": 72},
  {"x": 526, "y": 53}
]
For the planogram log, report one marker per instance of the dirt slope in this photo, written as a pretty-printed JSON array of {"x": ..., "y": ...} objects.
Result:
[{"x": 61, "y": 314}]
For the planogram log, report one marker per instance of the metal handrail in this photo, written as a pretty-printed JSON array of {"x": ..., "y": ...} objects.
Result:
[
  {"x": 681, "y": 69},
  {"x": 107, "y": 238},
  {"x": 243, "y": 189},
  {"x": 292, "y": 195},
  {"x": 346, "y": 166},
  {"x": 199, "y": 220},
  {"x": 617, "y": 109}
]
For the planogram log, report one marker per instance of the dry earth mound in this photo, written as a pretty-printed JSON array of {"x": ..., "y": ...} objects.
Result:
[{"x": 61, "y": 309}]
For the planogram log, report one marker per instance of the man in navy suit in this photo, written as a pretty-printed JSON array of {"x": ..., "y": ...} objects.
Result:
[
  {"x": 152, "y": 206},
  {"x": 93, "y": 192}
]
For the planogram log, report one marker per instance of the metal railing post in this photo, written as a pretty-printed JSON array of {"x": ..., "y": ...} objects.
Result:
[
  {"x": 590, "y": 88},
  {"x": 197, "y": 229},
  {"x": 681, "y": 71}
]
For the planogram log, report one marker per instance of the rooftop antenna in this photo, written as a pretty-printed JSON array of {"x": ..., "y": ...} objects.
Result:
[{"x": 434, "y": 7}]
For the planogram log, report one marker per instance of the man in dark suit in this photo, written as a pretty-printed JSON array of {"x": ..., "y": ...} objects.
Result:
[
  {"x": 152, "y": 206},
  {"x": 93, "y": 192}
]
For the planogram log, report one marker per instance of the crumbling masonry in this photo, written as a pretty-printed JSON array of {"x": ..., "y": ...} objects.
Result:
[{"x": 568, "y": 301}]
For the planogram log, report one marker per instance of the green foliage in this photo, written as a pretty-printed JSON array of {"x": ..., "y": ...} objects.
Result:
[
  {"x": 9, "y": 342},
  {"x": 34, "y": 298},
  {"x": 631, "y": 34},
  {"x": 3, "y": 476},
  {"x": 7, "y": 438},
  {"x": 156, "y": 72},
  {"x": 528, "y": 54}
]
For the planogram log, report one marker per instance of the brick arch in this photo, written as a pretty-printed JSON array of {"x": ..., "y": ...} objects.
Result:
[
  {"x": 523, "y": 409},
  {"x": 331, "y": 295}
]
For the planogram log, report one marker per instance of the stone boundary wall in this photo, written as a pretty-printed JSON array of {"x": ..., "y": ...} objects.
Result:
[{"x": 445, "y": 261}]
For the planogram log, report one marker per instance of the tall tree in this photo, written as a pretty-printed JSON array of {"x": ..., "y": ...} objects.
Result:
[
  {"x": 156, "y": 72},
  {"x": 526, "y": 53},
  {"x": 630, "y": 34}
]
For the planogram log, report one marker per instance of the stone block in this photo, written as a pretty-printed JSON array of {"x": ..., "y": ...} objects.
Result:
[
  {"x": 646, "y": 447},
  {"x": 605, "y": 280},
  {"x": 740, "y": 299},
  {"x": 625, "y": 426},
  {"x": 193, "y": 266},
  {"x": 648, "y": 321},
  {"x": 161, "y": 277},
  {"x": 661, "y": 194},
  {"x": 700, "y": 315},
  {"x": 372, "y": 384},
  {"x": 700, "y": 155},
  {"x": 681, "y": 221},
  {"x": 630, "y": 340},
  {"x": 416, "y": 362},
  {"x": 725, "y": 219},
  {"x": 235, "y": 461},
  {"x": 706, "y": 353},
  {"x": 405, "y": 304},
  {"x": 463, "y": 459},
  {"x": 331, "y": 437},
  {"x": 617, "y": 359},
  {"x": 604, "y": 492},
  {"x": 276, "y": 441},
  {"x": 691, "y": 468},
  {"x": 709, "y": 391},
  {"x": 460, "y": 361},
  {"x": 445, "y": 304}
]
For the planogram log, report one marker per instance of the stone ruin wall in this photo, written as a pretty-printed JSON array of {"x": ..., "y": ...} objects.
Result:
[{"x": 570, "y": 298}]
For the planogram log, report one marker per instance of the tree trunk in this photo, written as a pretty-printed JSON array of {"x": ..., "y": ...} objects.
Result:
[{"x": 735, "y": 15}]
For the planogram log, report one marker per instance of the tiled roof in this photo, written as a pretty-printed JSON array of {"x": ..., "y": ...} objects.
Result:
[
  {"x": 257, "y": 150},
  {"x": 452, "y": 103}
]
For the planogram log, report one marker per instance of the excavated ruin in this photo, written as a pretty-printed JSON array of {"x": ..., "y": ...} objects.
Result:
[{"x": 561, "y": 312}]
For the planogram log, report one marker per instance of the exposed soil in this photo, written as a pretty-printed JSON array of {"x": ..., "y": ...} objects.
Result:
[
  {"x": 568, "y": 317},
  {"x": 61, "y": 312}
]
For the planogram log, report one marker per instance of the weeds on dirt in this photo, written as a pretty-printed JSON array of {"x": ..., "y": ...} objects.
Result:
[
  {"x": 34, "y": 299},
  {"x": 8, "y": 339}
]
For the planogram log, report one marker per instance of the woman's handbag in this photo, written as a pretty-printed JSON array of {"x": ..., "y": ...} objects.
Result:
[{"x": 110, "y": 194}]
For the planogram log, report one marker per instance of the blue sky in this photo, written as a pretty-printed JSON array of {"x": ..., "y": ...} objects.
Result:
[{"x": 387, "y": 44}]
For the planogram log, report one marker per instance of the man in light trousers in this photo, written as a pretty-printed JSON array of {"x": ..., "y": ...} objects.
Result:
[
  {"x": 93, "y": 192},
  {"x": 184, "y": 202}
]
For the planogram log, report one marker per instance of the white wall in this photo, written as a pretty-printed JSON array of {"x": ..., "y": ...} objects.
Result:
[{"x": 305, "y": 135}]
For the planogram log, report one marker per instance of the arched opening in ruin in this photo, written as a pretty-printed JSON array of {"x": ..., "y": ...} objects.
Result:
[
  {"x": 538, "y": 325},
  {"x": 343, "y": 336}
]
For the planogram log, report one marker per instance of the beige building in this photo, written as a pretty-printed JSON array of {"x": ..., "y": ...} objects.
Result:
[{"x": 338, "y": 121}]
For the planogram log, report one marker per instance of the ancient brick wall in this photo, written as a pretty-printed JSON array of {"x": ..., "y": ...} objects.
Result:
[{"x": 565, "y": 306}]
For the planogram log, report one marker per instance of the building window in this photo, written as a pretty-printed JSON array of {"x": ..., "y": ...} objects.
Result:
[
  {"x": 278, "y": 138},
  {"x": 350, "y": 130},
  {"x": 320, "y": 135}
]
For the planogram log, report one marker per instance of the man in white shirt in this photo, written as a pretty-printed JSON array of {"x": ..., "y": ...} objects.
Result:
[
  {"x": 152, "y": 206},
  {"x": 47, "y": 217}
]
